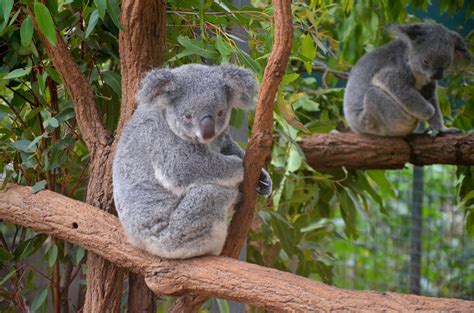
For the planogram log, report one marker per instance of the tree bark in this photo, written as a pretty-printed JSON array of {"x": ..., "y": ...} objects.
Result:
[
  {"x": 353, "y": 151},
  {"x": 259, "y": 146},
  {"x": 221, "y": 277},
  {"x": 141, "y": 48}
]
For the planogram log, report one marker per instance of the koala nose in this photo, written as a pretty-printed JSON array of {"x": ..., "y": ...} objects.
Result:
[
  {"x": 438, "y": 73},
  {"x": 207, "y": 127}
]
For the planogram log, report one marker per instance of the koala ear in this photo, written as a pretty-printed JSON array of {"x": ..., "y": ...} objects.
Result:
[
  {"x": 240, "y": 86},
  {"x": 154, "y": 86},
  {"x": 460, "y": 49},
  {"x": 412, "y": 32}
]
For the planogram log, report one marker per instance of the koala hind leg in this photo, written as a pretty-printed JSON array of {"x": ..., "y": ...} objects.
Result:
[
  {"x": 383, "y": 116},
  {"x": 198, "y": 225}
]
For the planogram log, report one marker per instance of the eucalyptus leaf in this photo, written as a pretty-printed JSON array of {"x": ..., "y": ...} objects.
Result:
[{"x": 45, "y": 22}]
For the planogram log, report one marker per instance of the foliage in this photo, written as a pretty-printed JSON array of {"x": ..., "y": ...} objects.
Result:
[{"x": 41, "y": 146}]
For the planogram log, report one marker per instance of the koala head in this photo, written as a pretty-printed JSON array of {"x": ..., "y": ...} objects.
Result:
[
  {"x": 431, "y": 48},
  {"x": 197, "y": 100}
]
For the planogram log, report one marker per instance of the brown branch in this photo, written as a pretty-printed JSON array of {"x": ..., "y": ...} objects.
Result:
[
  {"x": 330, "y": 151},
  {"x": 259, "y": 145},
  {"x": 87, "y": 117},
  {"x": 221, "y": 277}
]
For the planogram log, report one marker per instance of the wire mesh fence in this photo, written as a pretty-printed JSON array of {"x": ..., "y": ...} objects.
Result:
[{"x": 379, "y": 259}]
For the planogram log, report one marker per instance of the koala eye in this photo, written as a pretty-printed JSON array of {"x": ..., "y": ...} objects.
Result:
[
  {"x": 426, "y": 62},
  {"x": 188, "y": 116},
  {"x": 220, "y": 113}
]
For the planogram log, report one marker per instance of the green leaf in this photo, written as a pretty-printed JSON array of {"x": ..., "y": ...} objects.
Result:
[
  {"x": 23, "y": 145},
  {"x": 294, "y": 160},
  {"x": 7, "y": 6},
  {"x": 39, "y": 299},
  {"x": 7, "y": 277},
  {"x": 19, "y": 72},
  {"x": 114, "y": 12},
  {"x": 45, "y": 22},
  {"x": 225, "y": 50},
  {"x": 38, "y": 186},
  {"x": 101, "y": 6},
  {"x": 5, "y": 255},
  {"x": 94, "y": 17},
  {"x": 28, "y": 247},
  {"x": 52, "y": 255},
  {"x": 65, "y": 115},
  {"x": 223, "y": 306},
  {"x": 470, "y": 223},
  {"x": 113, "y": 79},
  {"x": 197, "y": 47},
  {"x": 79, "y": 255},
  {"x": 26, "y": 31}
]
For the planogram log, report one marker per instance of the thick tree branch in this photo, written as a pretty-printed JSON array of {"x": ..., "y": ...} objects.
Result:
[
  {"x": 92, "y": 130},
  {"x": 330, "y": 151},
  {"x": 259, "y": 145},
  {"x": 101, "y": 233}
]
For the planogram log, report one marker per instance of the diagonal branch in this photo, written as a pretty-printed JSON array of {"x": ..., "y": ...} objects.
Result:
[
  {"x": 259, "y": 145},
  {"x": 87, "y": 117},
  {"x": 101, "y": 233}
]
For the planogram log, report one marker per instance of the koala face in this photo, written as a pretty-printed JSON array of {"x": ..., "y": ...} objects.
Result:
[
  {"x": 431, "y": 49},
  {"x": 197, "y": 100}
]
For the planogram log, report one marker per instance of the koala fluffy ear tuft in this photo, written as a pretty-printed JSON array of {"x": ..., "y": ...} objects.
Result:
[
  {"x": 460, "y": 50},
  {"x": 240, "y": 86},
  {"x": 411, "y": 32},
  {"x": 156, "y": 84}
]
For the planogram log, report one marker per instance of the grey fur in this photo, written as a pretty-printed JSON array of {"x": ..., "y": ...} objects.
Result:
[
  {"x": 175, "y": 179},
  {"x": 391, "y": 90}
]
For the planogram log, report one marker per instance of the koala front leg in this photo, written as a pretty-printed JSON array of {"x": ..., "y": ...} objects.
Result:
[
  {"x": 436, "y": 122},
  {"x": 406, "y": 96},
  {"x": 198, "y": 225},
  {"x": 230, "y": 147}
]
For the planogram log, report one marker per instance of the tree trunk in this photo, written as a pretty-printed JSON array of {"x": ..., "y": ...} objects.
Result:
[{"x": 141, "y": 49}]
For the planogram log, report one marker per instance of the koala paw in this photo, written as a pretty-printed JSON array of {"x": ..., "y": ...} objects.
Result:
[
  {"x": 264, "y": 186},
  {"x": 427, "y": 113}
]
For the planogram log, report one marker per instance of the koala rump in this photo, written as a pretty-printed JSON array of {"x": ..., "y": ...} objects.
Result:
[{"x": 176, "y": 170}]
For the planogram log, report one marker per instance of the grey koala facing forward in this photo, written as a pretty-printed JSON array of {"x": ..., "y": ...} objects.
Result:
[
  {"x": 393, "y": 88},
  {"x": 176, "y": 170}
]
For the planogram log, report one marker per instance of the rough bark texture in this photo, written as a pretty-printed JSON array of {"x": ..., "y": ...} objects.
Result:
[
  {"x": 141, "y": 48},
  {"x": 101, "y": 233},
  {"x": 330, "y": 151},
  {"x": 259, "y": 145}
]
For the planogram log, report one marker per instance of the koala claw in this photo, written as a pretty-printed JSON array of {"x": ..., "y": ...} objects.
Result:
[
  {"x": 445, "y": 130},
  {"x": 264, "y": 186},
  {"x": 450, "y": 130}
]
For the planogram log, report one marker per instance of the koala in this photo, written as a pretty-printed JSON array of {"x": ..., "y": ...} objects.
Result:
[
  {"x": 177, "y": 171},
  {"x": 393, "y": 88}
]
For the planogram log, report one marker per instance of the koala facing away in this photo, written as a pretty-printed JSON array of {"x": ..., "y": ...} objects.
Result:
[
  {"x": 176, "y": 171},
  {"x": 393, "y": 88}
]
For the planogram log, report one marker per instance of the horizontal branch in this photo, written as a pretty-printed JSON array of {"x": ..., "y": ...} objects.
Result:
[
  {"x": 221, "y": 277},
  {"x": 353, "y": 151}
]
